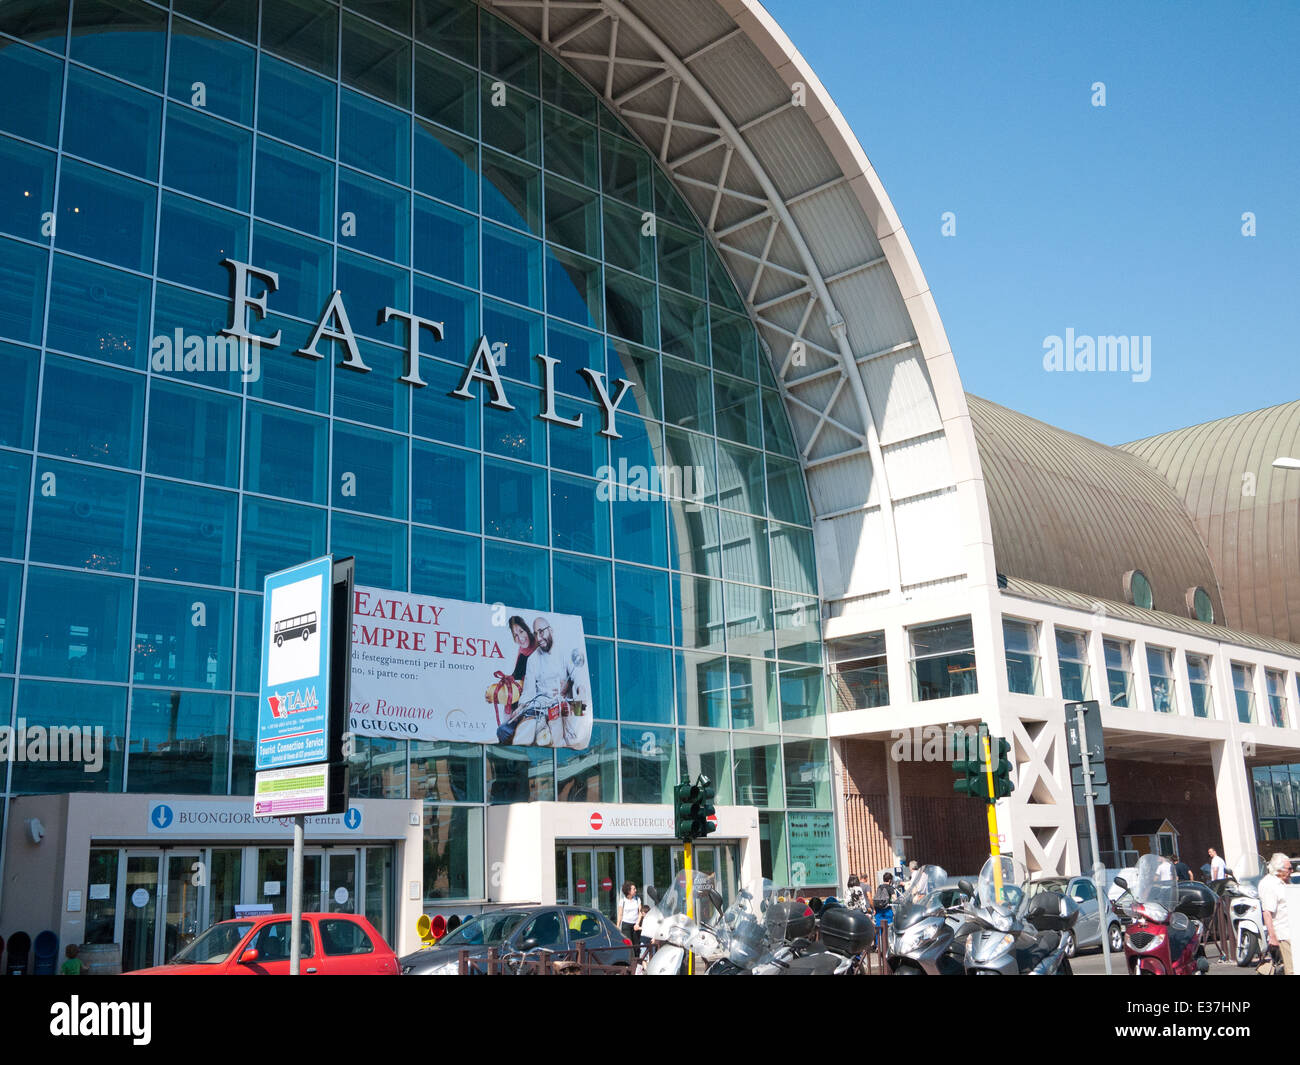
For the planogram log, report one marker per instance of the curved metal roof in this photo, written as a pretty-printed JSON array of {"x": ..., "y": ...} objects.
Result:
[
  {"x": 1245, "y": 511},
  {"x": 1070, "y": 512}
]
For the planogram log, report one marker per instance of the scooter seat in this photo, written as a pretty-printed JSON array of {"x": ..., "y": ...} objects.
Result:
[{"x": 819, "y": 964}]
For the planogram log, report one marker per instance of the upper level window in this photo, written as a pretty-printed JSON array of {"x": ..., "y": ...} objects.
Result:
[
  {"x": 943, "y": 660},
  {"x": 1137, "y": 589},
  {"x": 860, "y": 676},
  {"x": 1199, "y": 605},
  {"x": 1276, "y": 697},
  {"x": 1072, "y": 656},
  {"x": 1160, "y": 666},
  {"x": 1021, "y": 641},
  {"x": 1243, "y": 683},
  {"x": 1119, "y": 671},
  {"x": 1200, "y": 688}
]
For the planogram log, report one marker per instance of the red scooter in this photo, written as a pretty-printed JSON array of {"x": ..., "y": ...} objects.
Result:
[{"x": 1158, "y": 939}]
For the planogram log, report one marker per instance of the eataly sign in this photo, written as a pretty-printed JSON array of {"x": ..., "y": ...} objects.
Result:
[{"x": 333, "y": 324}]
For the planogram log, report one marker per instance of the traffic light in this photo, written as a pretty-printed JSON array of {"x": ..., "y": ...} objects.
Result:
[
  {"x": 1000, "y": 756},
  {"x": 683, "y": 817},
  {"x": 692, "y": 808},
  {"x": 969, "y": 767}
]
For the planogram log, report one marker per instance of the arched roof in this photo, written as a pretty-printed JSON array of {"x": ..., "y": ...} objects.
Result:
[
  {"x": 1069, "y": 512},
  {"x": 1247, "y": 513},
  {"x": 752, "y": 140}
]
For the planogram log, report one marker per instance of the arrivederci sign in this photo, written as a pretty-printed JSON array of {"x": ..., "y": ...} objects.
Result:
[{"x": 335, "y": 325}]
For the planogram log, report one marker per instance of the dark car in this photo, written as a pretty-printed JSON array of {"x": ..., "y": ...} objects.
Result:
[{"x": 527, "y": 928}]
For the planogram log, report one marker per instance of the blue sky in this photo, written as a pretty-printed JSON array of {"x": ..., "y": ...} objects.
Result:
[{"x": 1124, "y": 219}]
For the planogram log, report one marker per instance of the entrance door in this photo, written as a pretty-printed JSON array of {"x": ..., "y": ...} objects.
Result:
[
  {"x": 594, "y": 879},
  {"x": 181, "y": 909},
  {"x": 341, "y": 881},
  {"x": 140, "y": 915},
  {"x": 608, "y": 885},
  {"x": 582, "y": 875}
]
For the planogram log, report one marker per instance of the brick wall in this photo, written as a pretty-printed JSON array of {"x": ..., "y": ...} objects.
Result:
[{"x": 1181, "y": 792}]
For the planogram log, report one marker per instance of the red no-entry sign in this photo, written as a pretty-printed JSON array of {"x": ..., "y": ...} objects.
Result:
[{"x": 596, "y": 821}]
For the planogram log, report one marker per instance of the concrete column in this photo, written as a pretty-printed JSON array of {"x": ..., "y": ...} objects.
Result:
[
  {"x": 1232, "y": 784},
  {"x": 893, "y": 794}
]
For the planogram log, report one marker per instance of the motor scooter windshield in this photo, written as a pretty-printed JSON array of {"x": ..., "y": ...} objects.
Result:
[
  {"x": 921, "y": 897},
  {"x": 754, "y": 924},
  {"x": 669, "y": 912},
  {"x": 1155, "y": 881},
  {"x": 1001, "y": 887}
]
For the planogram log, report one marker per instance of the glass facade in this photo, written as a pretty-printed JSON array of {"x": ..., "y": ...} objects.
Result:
[
  {"x": 1072, "y": 660},
  {"x": 423, "y": 155},
  {"x": 1020, "y": 639},
  {"x": 943, "y": 660}
]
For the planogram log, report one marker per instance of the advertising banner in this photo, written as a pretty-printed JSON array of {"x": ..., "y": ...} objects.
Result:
[
  {"x": 293, "y": 711},
  {"x": 425, "y": 668}
]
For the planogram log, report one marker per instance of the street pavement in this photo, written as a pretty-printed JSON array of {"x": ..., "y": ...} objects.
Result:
[{"x": 1092, "y": 964}]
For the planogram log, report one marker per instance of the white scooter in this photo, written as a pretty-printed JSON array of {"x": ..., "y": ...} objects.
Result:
[
  {"x": 677, "y": 934},
  {"x": 1242, "y": 895}
]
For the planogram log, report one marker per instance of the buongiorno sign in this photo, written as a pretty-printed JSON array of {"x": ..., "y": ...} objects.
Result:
[{"x": 334, "y": 324}]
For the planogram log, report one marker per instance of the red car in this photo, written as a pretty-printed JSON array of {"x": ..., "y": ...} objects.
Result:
[{"x": 333, "y": 944}]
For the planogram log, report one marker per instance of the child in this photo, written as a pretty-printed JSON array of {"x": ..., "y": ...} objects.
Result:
[
  {"x": 642, "y": 948},
  {"x": 71, "y": 967}
]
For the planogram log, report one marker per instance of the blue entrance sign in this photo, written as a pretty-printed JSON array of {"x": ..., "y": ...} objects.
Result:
[{"x": 293, "y": 710}]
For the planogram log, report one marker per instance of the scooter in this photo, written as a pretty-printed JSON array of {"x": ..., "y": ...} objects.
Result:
[
  {"x": 1242, "y": 896},
  {"x": 677, "y": 934},
  {"x": 1159, "y": 940},
  {"x": 927, "y": 938},
  {"x": 1015, "y": 935}
]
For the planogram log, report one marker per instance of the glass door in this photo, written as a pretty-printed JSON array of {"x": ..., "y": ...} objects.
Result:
[
  {"x": 180, "y": 905},
  {"x": 582, "y": 876},
  {"x": 140, "y": 914},
  {"x": 341, "y": 881},
  {"x": 313, "y": 866},
  {"x": 608, "y": 885},
  {"x": 379, "y": 891},
  {"x": 273, "y": 878},
  {"x": 224, "y": 872}
]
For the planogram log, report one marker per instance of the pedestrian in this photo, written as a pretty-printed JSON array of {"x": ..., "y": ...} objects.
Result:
[
  {"x": 882, "y": 900},
  {"x": 1181, "y": 870},
  {"x": 1218, "y": 867},
  {"x": 71, "y": 967},
  {"x": 1165, "y": 871},
  {"x": 1272, "y": 901},
  {"x": 857, "y": 898},
  {"x": 629, "y": 914}
]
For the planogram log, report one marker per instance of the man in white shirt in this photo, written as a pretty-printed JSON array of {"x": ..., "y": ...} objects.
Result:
[
  {"x": 1165, "y": 870},
  {"x": 1272, "y": 901},
  {"x": 549, "y": 680},
  {"x": 1218, "y": 867}
]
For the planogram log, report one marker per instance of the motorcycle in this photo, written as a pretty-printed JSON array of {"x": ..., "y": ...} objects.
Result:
[
  {"x": 1159, "y": 940},
  {"x": 927, "y": 937},
  {"x": 678, "y": 934},
  {"x": 1242, "y": 897},
  {"x": 754, "y": 930},
  {"x": 1013, "y": 934}
]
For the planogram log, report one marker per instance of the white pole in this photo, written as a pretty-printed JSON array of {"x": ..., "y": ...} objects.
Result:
[
  {"x": 1098, "y": 870},
  {"x": 295, "y": 932}
]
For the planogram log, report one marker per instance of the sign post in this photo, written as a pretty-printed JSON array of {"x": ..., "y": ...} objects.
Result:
[
  {"x": 1082, "y": 743},
  {"x": 302, "y": 710}
]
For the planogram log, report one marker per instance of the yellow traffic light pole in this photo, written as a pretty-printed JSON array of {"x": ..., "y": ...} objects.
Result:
[
  {"x": 994, "y": 850},
  {"x": 690, "y": 905}
]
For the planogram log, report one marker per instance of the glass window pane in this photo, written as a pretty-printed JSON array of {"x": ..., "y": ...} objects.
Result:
[
  {"x": 446, "y": 564},
  {"x": 512, "y": 193},
  {"x": 379, "y": 397},
  {"x": 306, "y": 31},
  {"x": 375, "y": 138},
  {"x": 643, "y": 605},
  {"x": 446, "y": 242},
  {"x": 519, "y": 433},
  {"x": 584, "y": 586},
  {"x": 734, "y": 345},
  {"x": 86, "y": 707},
  {"x": 380, "y": 222},
  {"x": 627, "y": 172},
  {"x": 306, "y": 271},
  {"x": 248, "y": 650},
  {"x": 511, "y": 120},
  {"x": 91, "y": 413},
  {"x": 294, "y": 189},
  {"x": 516, "y": 336},
  {"x": 515, "y": 574},
  {"x": 379, "y": 547},
  {"x": 178, "y": 742},
  {"x": 590, "y": 775},
  {"x": 236, "y": 17},
  {"x": 514, "y": 501},
  {"x": 193, "y": 240},
  {"x": 649, "y": 763},
  {"x": 749, "y": 620},
  {"x": 798, "y": 627},
  {"x": 631, "y": 308},
  {"x": 277, "y": 535},
  {"x": 457, "y": 310},
  {"x": 370, "y": 471},
  {"x": 286, "y": 453},
  {"x": 75, "y": 626},
  {"x": 446, "y": 166},
  {"x": 446, "y": 92},
  {"x": 186, "y": 330},
  {"x": 520, "y": 774},
  {"x": 571, "y": 147},
  {"x": 110, "y": 123},
  {"x": 650, "y": 698},
  {"x": 703, "y": 683},
  {"x": 22, "y": 290},
  {"x": 737, "y": 404},
  {"x": 450, "y": 772},
  {"x": 183, "y": 637},
  {"x": 84, "y": 517},
  {"x": 698, "y": 612},
  {"x": 757, "y": 762},
  {"x": 376, "y": 61},
  {"x": 26, "y": 190},
  {"x": 208, "y": 158},
  {"x": 19, "y": 368},
  {"x": 30, "y": 85},
  {"x": 437, "y": 414},
  {"x": 807, "y": 774},
  {"x": 573, "y": 288},
  {"x": 106, "y": 217},
  {"x": 508, "y": 54},
  {"x": 211, "y": 72},
  {"x": 754, "y": 695},
  {"x": 122, "y": 37},
  {"x": 707, "y": 753},
  {"x": 787, "y": 499},
  {"x": 445, "y": 487},
  {"x": 579, "y": 516},
  {"x": 296, "y": 106},
  {"x": 453, "y": 853},
  {"x": 372, "y": 284},
  {"x": 681, "y": 259},
  {"x": 99, "y": 312},
  {"x": 15, "y": 492},
  {"x": 451, "y": 26},
  {"x": 188, "y": 533},
  {"x": 640, "y": 531}
]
